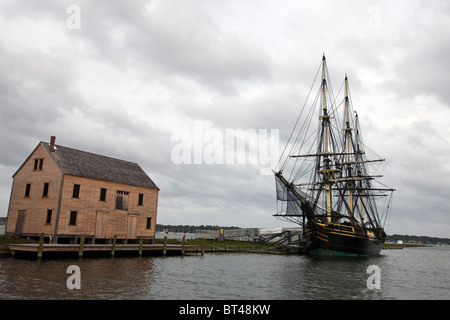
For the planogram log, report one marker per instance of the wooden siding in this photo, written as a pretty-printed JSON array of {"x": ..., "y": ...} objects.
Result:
[
  {"x": 91, "y": 211},
  {"x": 95, "y": 218},
  {"x": 35, "y": 206}
]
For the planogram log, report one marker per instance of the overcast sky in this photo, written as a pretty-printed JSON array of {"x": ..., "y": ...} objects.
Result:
[{"x": 127, "y": 79}]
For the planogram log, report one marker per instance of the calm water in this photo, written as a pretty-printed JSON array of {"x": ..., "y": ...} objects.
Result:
[{"x": 419, "y": 273}]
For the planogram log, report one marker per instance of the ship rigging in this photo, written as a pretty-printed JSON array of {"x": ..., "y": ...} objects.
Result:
[{"x": 325, "y": 180}]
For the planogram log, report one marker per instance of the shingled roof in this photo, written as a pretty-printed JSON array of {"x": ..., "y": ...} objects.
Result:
[{"x": 90, "y": 165}]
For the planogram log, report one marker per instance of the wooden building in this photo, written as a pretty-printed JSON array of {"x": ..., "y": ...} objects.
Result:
[{"x": 65, "y": 193}]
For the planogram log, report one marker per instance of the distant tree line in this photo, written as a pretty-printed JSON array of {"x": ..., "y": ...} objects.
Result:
[
  {"x": 391, "y": 238},
  {"x": 189, "y": 229},
  {"x": 418, "y": 239}
]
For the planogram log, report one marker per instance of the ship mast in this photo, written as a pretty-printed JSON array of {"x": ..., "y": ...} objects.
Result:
[
  {"x": 325, "y": 125},
  {"x": 358, "y": 150},
  {"x": 348, "y": 134}
]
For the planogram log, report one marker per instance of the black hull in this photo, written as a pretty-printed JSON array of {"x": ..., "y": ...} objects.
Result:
[{"x": 329, "y": 240}]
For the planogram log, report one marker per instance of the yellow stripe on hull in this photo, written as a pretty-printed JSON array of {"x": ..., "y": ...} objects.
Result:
[{"x": 333, "y": 230}]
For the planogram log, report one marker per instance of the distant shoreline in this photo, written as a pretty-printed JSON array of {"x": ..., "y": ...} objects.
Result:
[
  {"x": 191, "y": 229},
  {"x": 405, "y": 239}
]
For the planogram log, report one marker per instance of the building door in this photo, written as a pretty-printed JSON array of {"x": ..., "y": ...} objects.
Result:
[
  {"x": 20, "y": 221},
  {"x": 132, "y": 226},
  {"x": 100, "y": 225}
]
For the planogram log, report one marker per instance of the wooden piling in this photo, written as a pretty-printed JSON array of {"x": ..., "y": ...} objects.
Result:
[
  {"x": 113, "y": 251},
  {"x": 203, "y": 246},
  {"x": 183, "y": 243},
  {"x": 165, "y": 245},
  {"x": 141, "y": 242},
  {"x": 41, "y": 246},
  {"x": 80, "y": 252},
  {"x": 99, "y": 248}
]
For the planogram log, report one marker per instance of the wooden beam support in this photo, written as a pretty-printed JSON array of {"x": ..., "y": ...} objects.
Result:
[
  {"x": 141, "y": 242},
  {"x": 41, "y": 246},
  {"x": 80, "y": 252},
  {"x": 165, "y": 245},
  {"x": 183, "y": 243},
  {"x": 113, "y": 251}
]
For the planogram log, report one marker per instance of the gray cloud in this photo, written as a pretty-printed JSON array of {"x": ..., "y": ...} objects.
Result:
[{"x": 136, "y": 72}]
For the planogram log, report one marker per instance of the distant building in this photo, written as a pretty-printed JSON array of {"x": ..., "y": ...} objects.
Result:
[{"x": 64, "y": 193}]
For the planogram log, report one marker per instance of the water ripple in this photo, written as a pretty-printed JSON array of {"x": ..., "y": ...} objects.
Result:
[{"x": 419, "y": 273}]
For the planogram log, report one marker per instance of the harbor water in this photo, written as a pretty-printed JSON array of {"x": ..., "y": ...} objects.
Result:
[{"x": 411, "y": 273}]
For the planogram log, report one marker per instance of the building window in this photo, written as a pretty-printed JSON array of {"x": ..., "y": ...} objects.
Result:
[
  {"x": 149, "y": 223},
  {"x": 38, "y": 163},
  {"x": 102, "y": 194},
  {"x": 76, "y": 191},
  {"x": 45, "y": 191},
  {"x": 73, "y": 218},
  {"x": 141, "y": 199},
  {"x": 48, "y": 220},
  {"x": 122, "y": 200},
  {"x": 27, "y": 190}
]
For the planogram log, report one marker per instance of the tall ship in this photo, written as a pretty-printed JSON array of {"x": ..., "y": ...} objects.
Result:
[{"x": 327, "y": 180}]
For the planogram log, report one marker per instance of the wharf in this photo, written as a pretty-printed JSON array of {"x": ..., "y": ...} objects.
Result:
[{"x": 98, "y": 249}]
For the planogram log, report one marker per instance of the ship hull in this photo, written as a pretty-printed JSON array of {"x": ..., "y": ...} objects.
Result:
[{"x": 328, "y": 239}]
